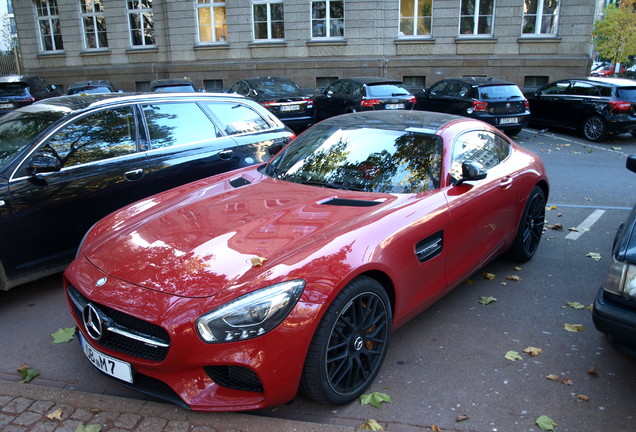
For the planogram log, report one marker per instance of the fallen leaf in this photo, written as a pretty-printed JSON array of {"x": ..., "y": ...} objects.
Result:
[
  {"x": 512, "y": 356},
  {"x": 27, "y": 373},
  {"x": 489, "y": 276},
  {"x": 545, "y": 423},
  {"x": 553, "y": 377},
  {"x": 257, "y": 261},
  {"x": 517, "y": 268},
  {"x": 371, "y": 425},
  {"x": 88, "y": 428},
  {"x": 375, "y": 399},
  {"x": 435, "y": 428},
  {"x": 575, "y": 305},
  {"x": 567, "y": 381},
  {"x": 469, "y": 282},
  {"x": 552, "y": 208},
  {"x": 533, "y": 351},
  {"x": 486, "y": 300},
  {"x": 594, "y": 255},
  {"x": 573, "y": 229},
  {"x": 574, "y": 328},
  {"x": 513, "y": 278},
  {"x": 592, "y": 371},
  {"x": 461, "y": 418},
  {"x": 63, "y": 335},
  {"x": 504, "y": 284},
  {"x": 55, "y": 414},
  {"x": 583, "y": 398},
  {"x": 555, "y": 227}
]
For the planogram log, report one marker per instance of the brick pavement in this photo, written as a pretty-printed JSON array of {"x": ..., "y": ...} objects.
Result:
[{"x": 33, "y": 408}]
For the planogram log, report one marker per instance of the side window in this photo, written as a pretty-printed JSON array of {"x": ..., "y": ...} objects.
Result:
[
  {"x": 556, "y": 88},
  {"x": 583, "y": 89},
  {"x": 484, "y": 147},
  {"x": 172, "y": 124},
  {"x": 347, "y": 88},
  {"x": 235, "y": 117},
  {"x": 102, "y": 135},
  {"x": 438, "y": 89}
]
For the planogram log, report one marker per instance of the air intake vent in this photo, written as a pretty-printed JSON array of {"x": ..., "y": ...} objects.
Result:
[
  {"x": 350, "y": 202},
  {"x": 238, "y": 182}
]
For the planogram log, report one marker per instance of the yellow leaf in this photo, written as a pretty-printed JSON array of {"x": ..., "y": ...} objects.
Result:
[
  {"x": 533, "y": 351},
  {"x": 553, "y": 377},
  {"x": 489, "y": 276},
  {"x": 371, "y": 425},
  {"x": 592, "y": 371},
  {"x": 435, "y": 428},
  {"x": 555, "y": 227},
  {"x": 517, "y": 268},
  {"x": 583, "y": 398},
  {"x": 567, "y": 381},
  {"x": 469, "y": 282},
  {"x": 574, "y": 328},
  {"x": 513, "y": 278},
  {"x": 257, "y": 261},
  {"x": 55, "y": 414},
  {"x": 461, "y": 418}
]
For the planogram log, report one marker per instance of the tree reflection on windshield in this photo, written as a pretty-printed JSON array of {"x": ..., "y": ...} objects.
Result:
[{"x": 371, "y": 160}]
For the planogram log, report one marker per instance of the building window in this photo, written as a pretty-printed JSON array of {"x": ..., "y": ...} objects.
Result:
[
  {"x": 93, "y": 24},
  {"x": 540, "y": 17},
  {"x": 477, "y": 17},
  {"x": 415, "y": 17},
  {"x": 49, "y": 25},
  {"x": 327, "y": 18},
  {"x": 213, "y": 85},
  {"x": 211, "y": 21},
  {"x": 141, "y": 22},
  {"x": 269, "y": 22}
]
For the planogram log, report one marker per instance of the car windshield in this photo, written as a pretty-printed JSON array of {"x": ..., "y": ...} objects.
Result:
[
  {"x": 98, "y": 89},
  {"x": 384, "y": 90},
  {"x": 13, "y": 89},
  {"x": 277, "y": 87},
  {"x": 627, "y": 93},
  {"x": 362, "y": 159},
  {"x": 18, "y": 129},
  {"x": 500, "y": 92}
]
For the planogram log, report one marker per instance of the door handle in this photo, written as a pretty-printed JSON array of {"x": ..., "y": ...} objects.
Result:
[
  {"x": 134, "y": 174},
  {"x": 506, "y": 182},
  {"x": 226, "y": 154}
]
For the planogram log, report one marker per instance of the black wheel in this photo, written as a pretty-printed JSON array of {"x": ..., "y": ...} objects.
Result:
[
  {"x": 634, "y": 134},
  {"x": 594, "y": 129},
  {"x": 515, "y": 131},
  {"x": 530, "y": 228},
  {"x": 349, "y": 345}
]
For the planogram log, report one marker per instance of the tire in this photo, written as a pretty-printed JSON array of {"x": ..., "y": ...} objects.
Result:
[
  {"x": 350, "y": 343},
  {"x": 515, "y": 131},
  {"x": 595, "y": 129},
  {"x": 633, "y": 134},
  {"x": 530, "y": 228}
]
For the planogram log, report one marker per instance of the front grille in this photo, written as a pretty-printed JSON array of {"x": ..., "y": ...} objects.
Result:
[
  {"x": 235, "y": 377},
  {"x": 128, "y": 324}
]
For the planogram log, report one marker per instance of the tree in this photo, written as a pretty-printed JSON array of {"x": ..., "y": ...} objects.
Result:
[{"x": 614, "y": 35}]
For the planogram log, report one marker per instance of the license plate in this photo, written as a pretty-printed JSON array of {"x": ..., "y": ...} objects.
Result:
[
  {"x": 5, "y": 106},
  {"x": 289, "y": 108},
  {"x": 508, "y": 120},
  {"x": 107, "y": 364},
  {"x": 394, "y": 106}
]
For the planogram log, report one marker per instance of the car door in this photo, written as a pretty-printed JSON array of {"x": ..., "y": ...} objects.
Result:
[
  {"x": 98, "y": 167},
  {"x": 437, "y": 97},
  {"x": 331, "y": 102},
  {"x": 481, "y": 212},
  {"x": 548, "y": 104}
]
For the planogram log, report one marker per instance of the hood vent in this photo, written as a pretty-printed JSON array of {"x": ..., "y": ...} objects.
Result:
[
  {"x": 238, "y": 182},
  {"x": 350, "y": 202}
]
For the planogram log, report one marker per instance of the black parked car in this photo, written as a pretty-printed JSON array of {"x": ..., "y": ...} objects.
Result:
[
  {"x": 68, "y": 162},
  {"x": 362, "y": 94},
  {"x": 172, "y": 85},
  {"x": 495, "y": 101},
  {"x": 282, "y": 97},
  {"x": 20, "y": 90},
  {"x": 614, "y": 311},
  {"x": 597, "y": 107},
  {"x": 90, "y": 87}
]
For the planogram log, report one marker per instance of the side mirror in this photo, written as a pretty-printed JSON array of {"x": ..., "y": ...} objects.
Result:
[
  {"x": 471, "y": 171},
  {"x": 44, "y": 163},
  {"x": 631, "y": 163}
]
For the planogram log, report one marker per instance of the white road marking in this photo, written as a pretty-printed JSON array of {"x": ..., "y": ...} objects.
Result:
[{"x": 585, "y": 225}]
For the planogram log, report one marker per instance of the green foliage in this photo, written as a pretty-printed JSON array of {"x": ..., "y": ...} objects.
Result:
[
  {"x": 614, "y": 35},
  {"x": 28, "y": 374},
  {"x": 63, "y": 335},
  {"x": 375, "y": 399},
  {"x": 545, "y": 423}
]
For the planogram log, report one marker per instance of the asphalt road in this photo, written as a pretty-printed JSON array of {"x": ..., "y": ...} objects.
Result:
[{"x": 447, "y": 367}]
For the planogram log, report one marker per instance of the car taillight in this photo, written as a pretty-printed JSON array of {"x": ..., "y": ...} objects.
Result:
[
  {"x": 526, "y": 104},
  {"x": 369, "y": 102},
  {"x": 413, "y": 100},
  {"x": 620, "y": 106},
  {"x": 479, "y": 106},
  {"x": 267, "y": 104}
]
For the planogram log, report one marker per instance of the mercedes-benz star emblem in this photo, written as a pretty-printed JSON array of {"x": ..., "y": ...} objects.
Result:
[{"x": 93, "y": 322}]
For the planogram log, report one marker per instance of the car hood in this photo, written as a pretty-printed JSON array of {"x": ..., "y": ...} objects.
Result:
[{"x": 200, "y": 239}]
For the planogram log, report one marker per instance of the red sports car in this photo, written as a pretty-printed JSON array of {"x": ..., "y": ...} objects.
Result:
[{"x": 237, "y": 291}]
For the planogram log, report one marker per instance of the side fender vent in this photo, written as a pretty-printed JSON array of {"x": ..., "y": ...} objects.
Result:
[
  {"x": 349, "y": 202},
  {"x": 430, "y": 247},
  {"x": 238, "y": 182}
]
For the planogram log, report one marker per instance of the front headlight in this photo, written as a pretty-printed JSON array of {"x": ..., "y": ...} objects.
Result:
[
  {"x": 621, "y": 279},
  {"x": 251, "y": 315}
]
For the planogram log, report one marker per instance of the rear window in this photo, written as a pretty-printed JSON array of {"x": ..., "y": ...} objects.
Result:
[
  {"x": 277, "y": 87},
  {"x": 13, "y": 89},
  {"x": 500, "y": 92},
  {"x": 384, "y": 90},
  {"x": 626, "y": 93}
]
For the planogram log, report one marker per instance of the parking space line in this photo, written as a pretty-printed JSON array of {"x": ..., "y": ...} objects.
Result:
[{"x": 585, "y": 225}]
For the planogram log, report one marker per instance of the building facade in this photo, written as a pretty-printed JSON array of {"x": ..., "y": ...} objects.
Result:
[{"x": 217, "y": 42}]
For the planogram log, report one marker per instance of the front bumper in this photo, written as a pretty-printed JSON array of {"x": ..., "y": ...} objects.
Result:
[
  {"x": 614, "y": 318},
  {"x": 234, "y": 376}
]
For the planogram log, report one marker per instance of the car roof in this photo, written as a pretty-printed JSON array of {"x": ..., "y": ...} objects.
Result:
[
  {"x": 372, "y": 80},
  {"x": 415, "y": 121},
  {"x": 617, "y": 82},
  {"x": 480, "y": 81},
  {"x": 85, "y": 101}
]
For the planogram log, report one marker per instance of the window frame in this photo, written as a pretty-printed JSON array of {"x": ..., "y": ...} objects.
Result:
[
  {"x": 415, "y": 18},
  {"x": 94, "y": 16},
  {"x": 476, "y": 16},
  {"x": 214, "y": 7},
  {"x": 139, "y": 9},
  {"x": 539, "y": 16},
  {"x": 269, "y": 20},
  {"x": 327, "y": 19},
  {"x": 48, "y": 14}
]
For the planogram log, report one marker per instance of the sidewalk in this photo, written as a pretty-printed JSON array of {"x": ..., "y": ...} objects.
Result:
[{"x": 29, "y": 408}]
